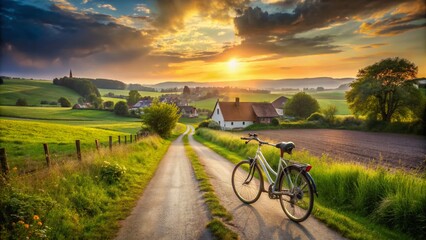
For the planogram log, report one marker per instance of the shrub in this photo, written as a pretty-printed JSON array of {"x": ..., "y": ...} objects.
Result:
[
  {"x": 109, "y": 104},
  {"x": 204, "y": 124},
  {"x": 53, "y": 103},
  {"x": 275, "y": 122},
  {"x": 316, "y": 116},
  {"x": 351, "y": 122},
  {"x": 301, "y": 105},
  {"x": 64, "y": 102},
  {"x": 121, "y": 109},
  {"x": 44, "y": 102},
  {"x": 161, "y": 117},
  {"x": 21, "y": 102},
  {"x": 330, "y": 114},
  {"x": 214, "y": 125},
  {"x": 111, "y": 173}
]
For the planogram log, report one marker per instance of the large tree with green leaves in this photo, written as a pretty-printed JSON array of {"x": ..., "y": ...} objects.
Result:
[
  {"x": 385, "y": 90},
  {"x": 161, "y": 117},
  {"x": 301, "y": 105},
  {"x": 134, "y": 97}
]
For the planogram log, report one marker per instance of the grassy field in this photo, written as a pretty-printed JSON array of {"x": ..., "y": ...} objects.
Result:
[
  {"x": 324, "y": 98},
  {"x": 360, "y": 202},
  {"x": 80, "y": 200},
  {"x": 117, "y": 92},
  {"x": 34, "y": 91}
]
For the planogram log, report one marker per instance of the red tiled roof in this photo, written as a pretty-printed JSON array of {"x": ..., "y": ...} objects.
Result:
[
  {"x": 279, "y": 102},
  {"x": 246, "y": 111},
  {"x": 264, "y": 110}
]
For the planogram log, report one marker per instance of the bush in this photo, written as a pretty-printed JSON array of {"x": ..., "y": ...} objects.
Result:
[
  {"x": 275, "y": 122},
  {"x": 111, "y": 173},
  {"x": 301, "y": 105},
  {"x": 316, "y": 116},
  {"x": 214, "y": 125},
  {"x": 350, "y": 122},
  {"x": 121, "y": 109},
  {"x": 109, "y": 104},
  {"x": 161, "y": 117},
  {"x": 53, "y": 103},
  {"x": 44, "y": 102},
  {"x": 204, "y": 124},
  {"x": 21, "y": 102},
  {"x": 330, "y": 114},
  {"x": 64, "y": 102}
]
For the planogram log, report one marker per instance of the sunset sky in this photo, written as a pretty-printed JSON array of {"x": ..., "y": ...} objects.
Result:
[{"x": 213, "y": 40}]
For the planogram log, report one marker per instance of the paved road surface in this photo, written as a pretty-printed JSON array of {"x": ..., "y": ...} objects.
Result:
[
  {"x": 397, "y": 150},
  {"x": 262, "y": 220},
  {"x": 172, "y": 206}
]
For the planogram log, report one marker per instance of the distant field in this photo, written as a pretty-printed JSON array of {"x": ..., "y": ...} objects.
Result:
[
  {"x": 126, "y": 92},
  {"x": 325, "y": 98},
  {"x": 34, "y": 91}
]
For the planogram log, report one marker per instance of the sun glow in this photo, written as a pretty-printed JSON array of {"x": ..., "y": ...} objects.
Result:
[{"x": 233, "y": 64}]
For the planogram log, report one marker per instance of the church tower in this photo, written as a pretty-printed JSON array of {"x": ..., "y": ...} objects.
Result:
[{"x": 70, "y": 73}]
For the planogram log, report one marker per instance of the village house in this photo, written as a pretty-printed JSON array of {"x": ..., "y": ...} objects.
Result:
[
  {"x": 279, "y": 105},
  {"x": 234, "y": 115},
  {"x": 188, "y": 111}
]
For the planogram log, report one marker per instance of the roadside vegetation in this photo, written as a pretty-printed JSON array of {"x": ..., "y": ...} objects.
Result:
[
  {"x": 80, "y": 200},
  {"x": 362, "y": 202},
  {"x": 220, "y": 216}
]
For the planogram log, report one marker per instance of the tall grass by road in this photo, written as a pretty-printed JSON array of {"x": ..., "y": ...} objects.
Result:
[
  {"x": 371, "y": 196},
  {"x": 80, "y": 200}
]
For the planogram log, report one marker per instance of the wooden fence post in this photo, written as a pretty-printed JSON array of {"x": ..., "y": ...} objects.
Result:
[
  {"x": 3, "y": 161},
  {"x": 136, "y": 138},
  {"x": 119, "y": 139},
  {"x": 125, "y": 139},
  {"x": 77, "y": 145},
  {"x": 131, "y": 137},
  {"x": 97, "y": 144},
  {"x": 46, "y": 154},
  {"x": 110, "y": 142}
]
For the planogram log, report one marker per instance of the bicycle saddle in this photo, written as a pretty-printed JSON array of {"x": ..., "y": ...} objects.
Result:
[{"x": 285, "y": 147}]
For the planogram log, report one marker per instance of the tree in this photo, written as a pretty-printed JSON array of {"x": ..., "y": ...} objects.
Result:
[
  {"x": 64, "y": 102},
  {"x": 161, "y": 117},
  {"x": 301, "y": 105},
  {"x": 108, "y": 104},
  {"x": 385, "y": 90},
  {"x": 94, "y": 100},
  {"x": 1, "y": 80},
  {"x": 186, "y": 91},
  {"x": 330, "y": 113},
  {"x": 134, "y": 97},
  {"x": 21, "y": 102},
  {"x": 121, "y": 109}
]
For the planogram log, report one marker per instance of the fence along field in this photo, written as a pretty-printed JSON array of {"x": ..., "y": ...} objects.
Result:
[{"x": 30, "y": 145}]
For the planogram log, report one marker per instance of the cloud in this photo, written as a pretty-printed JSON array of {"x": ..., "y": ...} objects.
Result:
[
  {"x": 107, "y": 6},
  {"x": 142, "y": 8},
  {"x": 374, "y": 45},
  {"x": 34, "y": 35},
  {"x": 64, "y": 5}
]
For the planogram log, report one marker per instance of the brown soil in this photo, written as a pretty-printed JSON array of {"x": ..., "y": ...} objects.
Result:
[{"x": 392, "y": 150}]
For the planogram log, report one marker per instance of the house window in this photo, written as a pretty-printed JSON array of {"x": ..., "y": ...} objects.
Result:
[
  {"x": 232, "y": 123},
  {"x": 219, "y": 122},
  {"x": 217, "y": 111},
  {"x": 244, "y": 123}
]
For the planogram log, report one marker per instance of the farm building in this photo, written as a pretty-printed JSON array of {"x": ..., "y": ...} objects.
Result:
[
  {"x": 188, "y": 111},
  {"x": 233, "y": 115},
  {"x": 279, "y": 105},
  {"x": 141, "y": 104}
]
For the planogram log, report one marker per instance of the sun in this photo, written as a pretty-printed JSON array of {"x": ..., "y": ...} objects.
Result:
[{"x": 233, "y": 64}]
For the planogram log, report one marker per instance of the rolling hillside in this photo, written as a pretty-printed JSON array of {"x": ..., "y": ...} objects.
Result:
[{"x": 34, "y": 91}]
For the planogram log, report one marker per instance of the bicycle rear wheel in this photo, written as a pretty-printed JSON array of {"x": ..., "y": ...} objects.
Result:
[
  {"x": 300, "y": 201},
  {"x": 247, "y": 182}
]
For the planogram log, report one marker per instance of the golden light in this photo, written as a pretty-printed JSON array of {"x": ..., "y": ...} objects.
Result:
[{"x": 233, "y": 64}]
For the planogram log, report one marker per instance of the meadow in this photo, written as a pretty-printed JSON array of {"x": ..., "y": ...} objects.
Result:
[
  {"x": 34, "y": 91},
  {"x": 118, "y": 92},
  {"x": 361, "y": 202}
]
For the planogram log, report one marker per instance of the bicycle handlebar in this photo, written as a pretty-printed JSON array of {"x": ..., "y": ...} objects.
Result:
[{"x": 253, "y": 136}]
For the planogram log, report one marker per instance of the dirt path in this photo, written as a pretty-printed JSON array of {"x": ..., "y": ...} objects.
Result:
[
  {"x": 262, "y": 220},
  {"x": 396, "y": 150},
  {"x": 172, "y": 206}
]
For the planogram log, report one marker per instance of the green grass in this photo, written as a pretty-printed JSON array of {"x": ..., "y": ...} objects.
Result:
[
  {"x": 192, "y": 121},
  {"x": 104, "y": 91},
  {"x": 218, "y": 212},
  {"x": 73, "y": 200},
  {"x": 360, "y": 202},
  {"x": 34, "y": 91}
]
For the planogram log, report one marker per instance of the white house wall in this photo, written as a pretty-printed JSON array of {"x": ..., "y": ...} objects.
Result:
[
  {"x": 229, "y": 125},
  {"x": 218, "y": 117}
]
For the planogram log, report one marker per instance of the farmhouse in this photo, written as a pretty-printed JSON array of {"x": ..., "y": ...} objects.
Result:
[
  {"x": 188, "y": 111},
  {"x": 232, "y": 115},
  {"x": 279, "y": 105}
]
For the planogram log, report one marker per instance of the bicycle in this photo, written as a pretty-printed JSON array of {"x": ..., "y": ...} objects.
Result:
[{"x": 293, "y": 184}]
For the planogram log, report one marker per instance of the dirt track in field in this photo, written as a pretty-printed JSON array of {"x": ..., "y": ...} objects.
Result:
[{"x": 395, "y": 150}]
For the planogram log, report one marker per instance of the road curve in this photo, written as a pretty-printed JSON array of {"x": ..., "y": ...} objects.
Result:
[
  {"x": 262, "y": 220},
  {"x": 172, "y": 206}
]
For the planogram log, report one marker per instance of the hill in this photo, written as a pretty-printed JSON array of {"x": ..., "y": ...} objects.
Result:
[
  {"x": 325, "y": 82},
  {"x": 34, "y": 91}
]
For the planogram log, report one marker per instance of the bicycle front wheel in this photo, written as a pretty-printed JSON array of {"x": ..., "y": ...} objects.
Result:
[
  {"x": 298, "y": 198},
  {"x": 247, "y": 182}
]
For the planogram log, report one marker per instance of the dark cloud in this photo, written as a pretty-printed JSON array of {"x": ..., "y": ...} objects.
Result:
[
  {"x": 54, "y": 34},
  {"x": 308, "y": 15}
]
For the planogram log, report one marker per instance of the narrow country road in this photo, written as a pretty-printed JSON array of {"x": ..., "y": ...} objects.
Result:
[
  {"x": 262, "y": 220},
  {"x": 172, "y": 206}
]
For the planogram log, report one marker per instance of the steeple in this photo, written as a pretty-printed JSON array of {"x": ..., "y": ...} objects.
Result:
[{"x": 70, "y": 73}]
